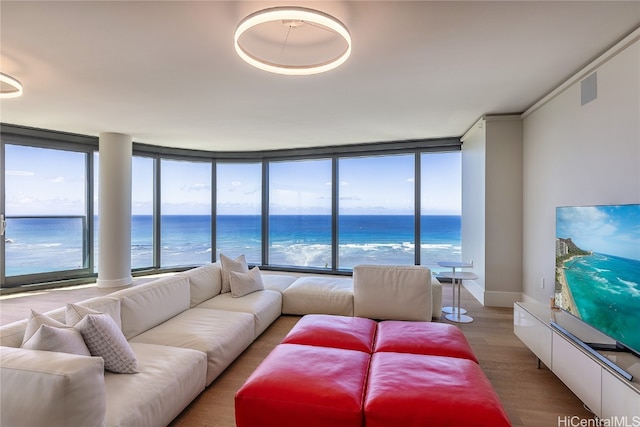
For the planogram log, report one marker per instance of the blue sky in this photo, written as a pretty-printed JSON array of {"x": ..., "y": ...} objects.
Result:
[
  {"x": 611, "y": 230},
  {"x": 51, "y": 182}
]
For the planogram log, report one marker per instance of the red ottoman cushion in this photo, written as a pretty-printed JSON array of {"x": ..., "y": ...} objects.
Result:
[
  {"x": 415, "y": 390},
  {"x": 300, "y": 385},
  {"x": 351, "y": 333},
  {"x": 429, "y": 338}
]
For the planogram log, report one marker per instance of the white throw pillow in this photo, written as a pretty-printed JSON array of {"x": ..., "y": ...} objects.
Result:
[
  {"x": 74, "y": 313},
  {"x": 238, "y": 265},
  {"x": 65, "y": 340},
  {"x": 104, "y": 338},
  {"x": 35, "y": 321},
  {"x": 245, "y": 283}
]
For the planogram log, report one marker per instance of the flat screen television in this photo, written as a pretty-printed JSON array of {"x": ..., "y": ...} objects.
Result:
[{"x": 598, "y": 269}]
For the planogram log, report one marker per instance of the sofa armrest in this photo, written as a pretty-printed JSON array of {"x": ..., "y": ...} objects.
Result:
[
  {"x": 436, "y": 297},
  {"x": 50, "y": 388}
]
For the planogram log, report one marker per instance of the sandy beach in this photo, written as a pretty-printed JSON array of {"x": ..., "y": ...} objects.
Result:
[{"x": 564, "y": 298}]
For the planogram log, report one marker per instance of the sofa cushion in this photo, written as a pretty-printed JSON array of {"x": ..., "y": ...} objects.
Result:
[
  {"x": 300, "y": 385},
  {"x": 169, "y": 379},
  {"x": 407, "y": 389},
  {"x": 351, "y": 333},
  {"x": 147, "y": 305},
  {"x": 392, "y": 292},
  {"x": 245, "y": 283},
  {"x": 12, "y": 334},
  {"x": 105, "y": 339},
  {"x": 277, "y": 282},
  {"x": 239, "y": 265},
  {"x": 205, "y": 282},
  {"x": 63, "y": 389},
  {"x": 265, "y": 306},
  {"x": 430, "y": 338},
  {"x": 65, "y": 340},
  {"x": 319, "y": 295},
  {"x": 222, "y": 335}
]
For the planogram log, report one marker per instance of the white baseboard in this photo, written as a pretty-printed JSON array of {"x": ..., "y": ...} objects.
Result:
[
  {"x": 113, "y": 283},
  {"x": 492, "y": 298},
  {"x": 476, "y": 290}
]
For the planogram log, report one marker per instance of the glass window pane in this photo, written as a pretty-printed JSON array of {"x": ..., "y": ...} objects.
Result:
[
  {"x": 376, "y": 210},
  {"x": 142, "y": 212},
  {"x": 46, "y": 210},
  {"x": 440, "y": 203},
  {"x": 300, "y": 213},
  {"x": 185, "y": 222},
  {"x": 239, "y": 210}
]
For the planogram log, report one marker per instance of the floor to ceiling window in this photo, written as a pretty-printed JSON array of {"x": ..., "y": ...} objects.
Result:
[
  {"x": 441, "y": 199},
  {"x": 322, "y": 210},
  {"x": 376, "y": 210},
  {"x": 300, "y": 213},
  {"x": 142, "y": 207},
  {"x": 185, "y": 222},
  {"x": 46, "y": 210},
  {"x": 239, "y": 210}
]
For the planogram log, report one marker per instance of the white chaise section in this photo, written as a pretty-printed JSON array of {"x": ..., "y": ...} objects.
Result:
[{"x": 319, "y": 295}]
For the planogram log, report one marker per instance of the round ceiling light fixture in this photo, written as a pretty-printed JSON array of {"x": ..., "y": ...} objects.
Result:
[
  {"x": 9, "y": 87},
  {"x": 292, "y": 41}
]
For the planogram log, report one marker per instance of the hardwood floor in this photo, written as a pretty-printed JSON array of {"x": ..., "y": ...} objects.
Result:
[{"x": 532, "y": 397}]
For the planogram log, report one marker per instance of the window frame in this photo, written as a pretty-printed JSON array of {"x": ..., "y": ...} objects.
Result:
[{"x": 53, "y": 141}]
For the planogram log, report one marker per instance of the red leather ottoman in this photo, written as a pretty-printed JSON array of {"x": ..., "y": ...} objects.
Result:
[
  {"x": 300, "y": 385},
  {"x": 430, "y": 338},
  {"x": 350, "y": 333},
  {"x": 417, "y": 390}
]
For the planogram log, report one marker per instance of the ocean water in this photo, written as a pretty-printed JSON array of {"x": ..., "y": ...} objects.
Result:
[
  {"x": 35, "y": 245},
  {"x": 606, "y": 290}
]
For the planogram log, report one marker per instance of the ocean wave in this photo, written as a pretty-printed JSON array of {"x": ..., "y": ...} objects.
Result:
[
  {"x": 633, "y": 286},
  {"x": 47, "y": 245},
  {"x": 439, "y": 246}
]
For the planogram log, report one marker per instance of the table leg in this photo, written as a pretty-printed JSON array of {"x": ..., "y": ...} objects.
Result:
[{"x": 458, "y": 316}]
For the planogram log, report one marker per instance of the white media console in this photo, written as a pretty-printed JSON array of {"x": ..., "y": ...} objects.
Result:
[{"x": 603, "y": 390}]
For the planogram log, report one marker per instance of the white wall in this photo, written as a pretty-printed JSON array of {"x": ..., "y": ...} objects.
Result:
[
  {"x": 473, "y": 205},
  {"x": 504, "y": 211},
  {"x": 492, "y": 209},
  {"x": 579, "y": 155}
]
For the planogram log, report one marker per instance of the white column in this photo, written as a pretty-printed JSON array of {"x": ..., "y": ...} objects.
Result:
[{"x": 114, "y": 199}]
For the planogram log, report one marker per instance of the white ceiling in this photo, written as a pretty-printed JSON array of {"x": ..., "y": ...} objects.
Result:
[{"x": 167, "y": 73}]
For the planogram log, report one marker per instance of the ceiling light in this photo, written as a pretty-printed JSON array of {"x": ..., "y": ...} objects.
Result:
[
  {"x": 283, "y": 40},
  {"x": 9, "y": 87}
]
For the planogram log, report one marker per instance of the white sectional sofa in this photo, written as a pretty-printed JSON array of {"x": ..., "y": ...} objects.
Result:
[{"x": 183, "y": 331}]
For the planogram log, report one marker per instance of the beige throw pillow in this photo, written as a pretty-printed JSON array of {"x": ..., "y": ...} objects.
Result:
[
  {"x": 245, "y": 283},
  {"x": 51, "y": 338},
  {"x": 74, "y": 313},
  {"x": 35, "y": 321},
  {"x": 238, "y": 265}
]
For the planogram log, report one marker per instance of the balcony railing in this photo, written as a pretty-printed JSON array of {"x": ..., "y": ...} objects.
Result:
[{"x": 45, "y": 244}]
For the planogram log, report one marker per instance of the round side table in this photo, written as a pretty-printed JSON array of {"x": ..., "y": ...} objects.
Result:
[
  {"x": 453, "y": 265},
  {"x": 457, "y": 278}
]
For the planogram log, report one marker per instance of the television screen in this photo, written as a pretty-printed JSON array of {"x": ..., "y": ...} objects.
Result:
[{"x": 598, "y": 268}]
